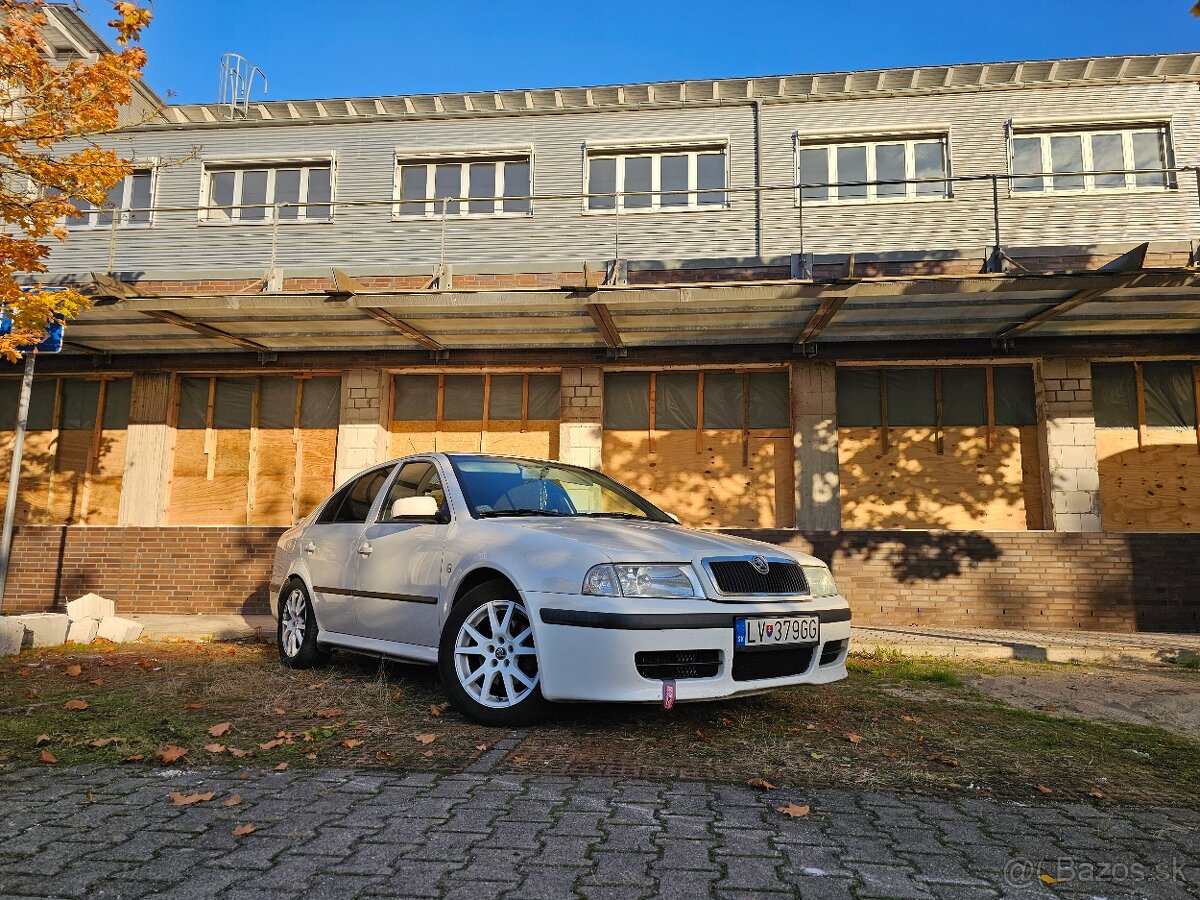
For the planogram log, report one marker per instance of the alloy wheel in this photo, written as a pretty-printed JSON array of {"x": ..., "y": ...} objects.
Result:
[
  {"x": 294, "y": 621},
  {"x": 494, "y": 655}
]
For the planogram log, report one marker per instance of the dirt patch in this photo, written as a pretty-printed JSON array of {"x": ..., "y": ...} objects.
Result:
[{"x": 1170, "y": 700}]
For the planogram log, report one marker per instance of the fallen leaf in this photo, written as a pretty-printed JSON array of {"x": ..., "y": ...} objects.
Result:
[
  {"x": 41, "y": 739},
  {"x": 73, "y": 671},
  {"x": 97, "y": 682},
  {"x": 1047, "y": 708},
  {"x": 794, "y": 811},
  {"x": 271, "y": 745},
  {"x": 215, "y": 748},
  {"x": 220, "y": 729},
  {"x": 100, "y": 742},
  {"x": 193, "y": 706},
  {"x": 810, "y": 727},
  {"x": 700, "y": 735},
  {"x": 438, "y": 708},
  {"x": 816, "y": 755},
  {"x": 1048, "y": 879},
  {"x": 892, "y": 754},
  {"x": 398, "y": 697},
  {"x": 1097, "y": 793},
  {"x": 349, "y": 680},
  {"x": 133, "y": 757},
  {"x": 243, "y": 776},
  {"x": 908, "y": 718},
  {"x": 352, "y": 743},
  {"x": 520, "y": 760},
  {"x": 852, "y": 737},
  {"x": 328, "y": 713},
  {"x": 47, "y": 758},
  {"x": 379, "y": 754},
  {"x": 762, "y": 783},
  {"x": 234, "y": 800},
  {"x": 171, "y": 753},
  {"x": 91, "y": 798},
  {"x": 243, "y": 830},
  {"x": 282, "y": 767},
  {"x": 238, "y": 753},
  {"x": 24, "y": 672},
  {"x": 481, "y": 747},
  {"x": 314, "y": 756},
  {"x": 31, "y": 694},
  {"x": 75, "y": 705},
  {"x": 1042, "y": 789},
  {"x": 188, "y": 799},
  {"x": 944, "y": 760},
  {"x": 279, "y": 711},
  {"x": 426, "y": 738},
  {"x": 427, "y": 753}
]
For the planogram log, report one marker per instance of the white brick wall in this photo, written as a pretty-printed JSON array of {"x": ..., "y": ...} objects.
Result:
[
  {"x": 580, "y": 430},
  {"x": 362, "y": 425},
  {"x": 815, "y": 442},
  {"x": 1070, "y": 444}
]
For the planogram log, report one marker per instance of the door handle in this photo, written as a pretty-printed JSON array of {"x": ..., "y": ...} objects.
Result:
[
  {"x": 310, "y": 547},
  {"x": 366, "y": 549}
]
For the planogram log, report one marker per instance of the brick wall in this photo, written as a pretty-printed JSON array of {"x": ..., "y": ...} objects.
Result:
[{"x": 1108, "y": 582}]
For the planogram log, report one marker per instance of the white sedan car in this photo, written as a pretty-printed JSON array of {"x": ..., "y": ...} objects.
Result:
[{"x": 528, "y": 581}]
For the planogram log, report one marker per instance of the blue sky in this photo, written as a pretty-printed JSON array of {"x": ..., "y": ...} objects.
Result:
[{"x": 374, "y": 47}]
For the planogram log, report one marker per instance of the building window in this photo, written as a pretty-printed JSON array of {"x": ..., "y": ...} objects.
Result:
[
  {"x": 461, "y": 398},
  {"x": 128, "y": 202},
  {"x": 873, "y": 171},
  {"x": 250, "y": 194},
  {"x": 1155, "y": 394},
  {"x": 464, "y": 187},
  {"x": 1095, "y": 160},
  {"x": 696, "y": 401},
  {"x": 693, "y": 178}
]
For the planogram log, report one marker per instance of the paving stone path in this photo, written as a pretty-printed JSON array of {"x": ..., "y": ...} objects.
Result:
[{"x": 102, "y": 832}]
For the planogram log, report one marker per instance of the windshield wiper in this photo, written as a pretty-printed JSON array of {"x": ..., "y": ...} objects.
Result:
[
  {"x": 615, "y": 515},
  {"x": 499, "y": 513}
]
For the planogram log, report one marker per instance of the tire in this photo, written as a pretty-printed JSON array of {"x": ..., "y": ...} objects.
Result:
[
  {"x": 500, "y": 685},
  {"x": 296, "y": 630}
]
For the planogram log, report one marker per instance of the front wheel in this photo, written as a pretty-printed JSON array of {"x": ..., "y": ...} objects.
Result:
[
  {"x": 488, "y": 661},
  {"x": 296, "y": 633}
]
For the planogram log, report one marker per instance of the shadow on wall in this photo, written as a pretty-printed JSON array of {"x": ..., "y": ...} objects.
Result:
[{"x": 913, "y": 555}]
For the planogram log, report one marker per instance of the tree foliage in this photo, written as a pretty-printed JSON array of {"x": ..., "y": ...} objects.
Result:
[{"x": 44, "y": 103}]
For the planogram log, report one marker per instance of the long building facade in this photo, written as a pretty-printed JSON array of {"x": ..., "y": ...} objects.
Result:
[{"x": 940, "y": 324}]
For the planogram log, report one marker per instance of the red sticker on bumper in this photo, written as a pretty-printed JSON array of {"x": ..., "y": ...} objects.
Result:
[{"x": 668, "y": 694}]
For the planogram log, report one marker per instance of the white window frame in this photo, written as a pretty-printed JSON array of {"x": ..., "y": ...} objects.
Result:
[
  {"x": 656, "y": 152},
  {"x": 464, "y": 159},
  {"x": 909, "y": 141},
  {"x": 89, "y": 219},
  {"x": 212, "y": 215},
  {"x": 1161, "y": 129}
]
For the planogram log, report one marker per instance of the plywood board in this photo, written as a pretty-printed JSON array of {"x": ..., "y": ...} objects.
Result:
[
  {"x": 538, "y": 440},
  {"x": 1154, "y": 488},
  {"x": 275, "y": 474},
  {"x": 318, "y": 453},
  {"x": 911, "y": 485},
  {"x": 710, "y": 485}
]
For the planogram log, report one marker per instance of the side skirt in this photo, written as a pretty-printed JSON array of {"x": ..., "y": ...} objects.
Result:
[{"x": 374, "y": 646}]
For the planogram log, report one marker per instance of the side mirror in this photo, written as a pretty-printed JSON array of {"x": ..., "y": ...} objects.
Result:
[
  {"x": 674, "y": 518},
  {"x": 414, "y": 508}
]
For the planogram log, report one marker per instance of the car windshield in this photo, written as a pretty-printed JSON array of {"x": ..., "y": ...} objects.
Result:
[{"x": 497, "y": 488}]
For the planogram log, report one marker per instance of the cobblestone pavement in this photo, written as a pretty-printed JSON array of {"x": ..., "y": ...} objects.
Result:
[{"x": 112, "y": 832}]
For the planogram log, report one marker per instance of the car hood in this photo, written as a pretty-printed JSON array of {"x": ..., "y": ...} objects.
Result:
[{"x": 627, "y": 540}]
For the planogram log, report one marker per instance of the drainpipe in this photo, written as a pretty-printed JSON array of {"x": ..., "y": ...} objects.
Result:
[{"x": 758, "y": 179}]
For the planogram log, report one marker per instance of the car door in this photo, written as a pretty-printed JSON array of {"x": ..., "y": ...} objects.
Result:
[
  {"x": 330, "y": 544},
  {"x": 398, "y": 563}
]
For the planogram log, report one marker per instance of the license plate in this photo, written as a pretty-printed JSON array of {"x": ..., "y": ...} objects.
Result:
[{"x": 777, "y": 631}]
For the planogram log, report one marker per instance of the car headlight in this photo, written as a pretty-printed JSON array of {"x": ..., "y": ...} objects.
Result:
[
  {"x": 820, "y": 582},
  {"x": 638, "y": 580}
]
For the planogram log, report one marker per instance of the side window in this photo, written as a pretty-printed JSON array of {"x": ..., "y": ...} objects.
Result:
[
  {"x": 353, "y": 502},
  {"x": 415, "y": 479}
]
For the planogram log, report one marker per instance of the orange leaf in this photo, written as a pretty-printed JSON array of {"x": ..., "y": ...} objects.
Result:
[
  {"x": 75, "y": 705},
  {"x": 171, "y": 753},
  {"x": 761, "y": 783},
  {"x": 282, "y": 767},
  {"x": 238, "y": 752},
  {"x": 398, "y": 697},
  {"x": 279, "y": 711},
  {"x": 438, "y": 708},
  {"x": 852, "y": 737},
  {"x": 427, "y": 753},
  {"x": 1042, "y": 789},
  {"x": 97, "y": 682},
  {"x": 215, "y": 748},
  {"x": 944, "y": 760},
  {"x": 352, "y": 743},
  {"x": 328, "y": 713},
  {"x": 310, "y": 756},
  {"x": 1097, "y": 793},
  {"x": 100, "y": 742},
  {"x": 234, "y": 800},
  {"x": 41, "y": 739},
  {"x": 271, "y": 745},
  {"x": 426, "y": 738},
  {"x": 243, "y": 830},
  {"x": 520, "y": 760},
  {"x": 193, "y": 706},
  {"x": 219, "y": 730},
  {"x": 481, "y": 747},
  {"x": 133, "y": 757},
  {"x": 188, "y": 799},
  {"x": 74, "y": 671},
  {"x": 794, "y": 811},
  {"x": 47, "y": 758}
]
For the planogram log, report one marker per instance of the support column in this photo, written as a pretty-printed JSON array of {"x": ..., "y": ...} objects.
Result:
[
  {"x": 580, "y": 427},
  {"x": 815, "y": 442},
  {"x": 1068, "y": 431},
  {"x": 362, "y": 423},
  {"x": 146, "y": 477}
]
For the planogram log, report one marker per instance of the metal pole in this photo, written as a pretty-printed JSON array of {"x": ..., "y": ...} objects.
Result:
[
  {"x": 14, "y": 474},
  {"x": 996, "y": 257}
]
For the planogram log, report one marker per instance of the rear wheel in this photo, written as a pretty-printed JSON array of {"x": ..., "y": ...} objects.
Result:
[
  {"x": 488, "y": 660},
  {"x": 296, "y": 633}
]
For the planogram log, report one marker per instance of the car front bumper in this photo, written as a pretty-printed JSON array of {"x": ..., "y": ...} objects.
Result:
[{"x": 588, "y": 647}]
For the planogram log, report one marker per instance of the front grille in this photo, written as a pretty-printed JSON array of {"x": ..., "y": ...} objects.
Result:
[
  {"x": 660, "y": 665},
  {"x": 738, "y": 576},
  {"x": 752, "y": 665},
  {"x": 831, "y": 651}
]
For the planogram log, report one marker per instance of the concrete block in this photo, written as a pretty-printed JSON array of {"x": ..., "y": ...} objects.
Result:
[
  {"x": 12, "y": 636},
  {"x": 119, "y": 630},
  {"x": 82, "y": 631},
  {"x": 45, "y": 629},
  {"x": 91, "y": 606}
]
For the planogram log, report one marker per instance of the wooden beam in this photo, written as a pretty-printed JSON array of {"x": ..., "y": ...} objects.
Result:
[
  {"x": 110, "y": 286},
  {"x": 347, "y": 285},
  {"x": 821, "y": 318},
  {"x": 1063, "y": 306},
  {"x": 382, "y": 315},
  {"x": 207, "y": 330},
  {"x": 603, "y": 320}
]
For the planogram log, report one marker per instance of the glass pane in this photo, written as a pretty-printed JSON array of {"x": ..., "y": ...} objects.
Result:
[
  {"x": 545, "y": 396},
  {"x": 79, "y": 399},
  {"x": 361, "y": 497},
  {"x": 710, "y": 173},
  {"x": 723, "y": 399},
  {"x": 1170, "y": 394},
  {"x": 320, "y": 190},
  {"x": 1027, "y": 159},
  {"x": 852, "y": 167},
  {"x": 254, "y": 190},
  {"x": 911, "y": 398},
  {"x": 116, "y": 403},
  {"x": 1013, "y": 390},
  {"x": 769, "y": 400},
  {"x": 638, "y": 172},
  {"x": 516, "y": 184},
  {"x": 221, "y": 195},
  {"x": 412, "y": 188},
  {"x": 481, "y": 182},
  {"x": 602, "y": 179},
  {"x": 857, "y": 398},
  {"x": 277, "y": 402},
  {"x": 1066, "y": 155},
  {"x": 964, "y": 396},
  {"x": 1149, "y": 152},
  {"x": 447, "y": 182},
  {"x": 929, "y": 161},
  {"x": 673, "y": 176},
  {"x": 139, "y": 199},
  {"x": 814, "y": 170},
  {"x": 504, "y": 402},
  {"x": 287, "y": 190},
  {"x": 83, "y": 219},
  {"x": 193, "y": 403},
  {"x": 41, "y": 405},
  {"x": 627, "y": 401},
  {"x": 320, "y": 402},
  {"x": 1108, "y": 156},
  {"x": 112, "y": 201},
  {"x": 889, "y": 166},
  {"x": 464, "y": 398},
  {"x": 234, "y": 401},
  {"x": 675, "y": 395},
  {"x": 1114, "y": 395},
  {"x": 414, "y": 398}
]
